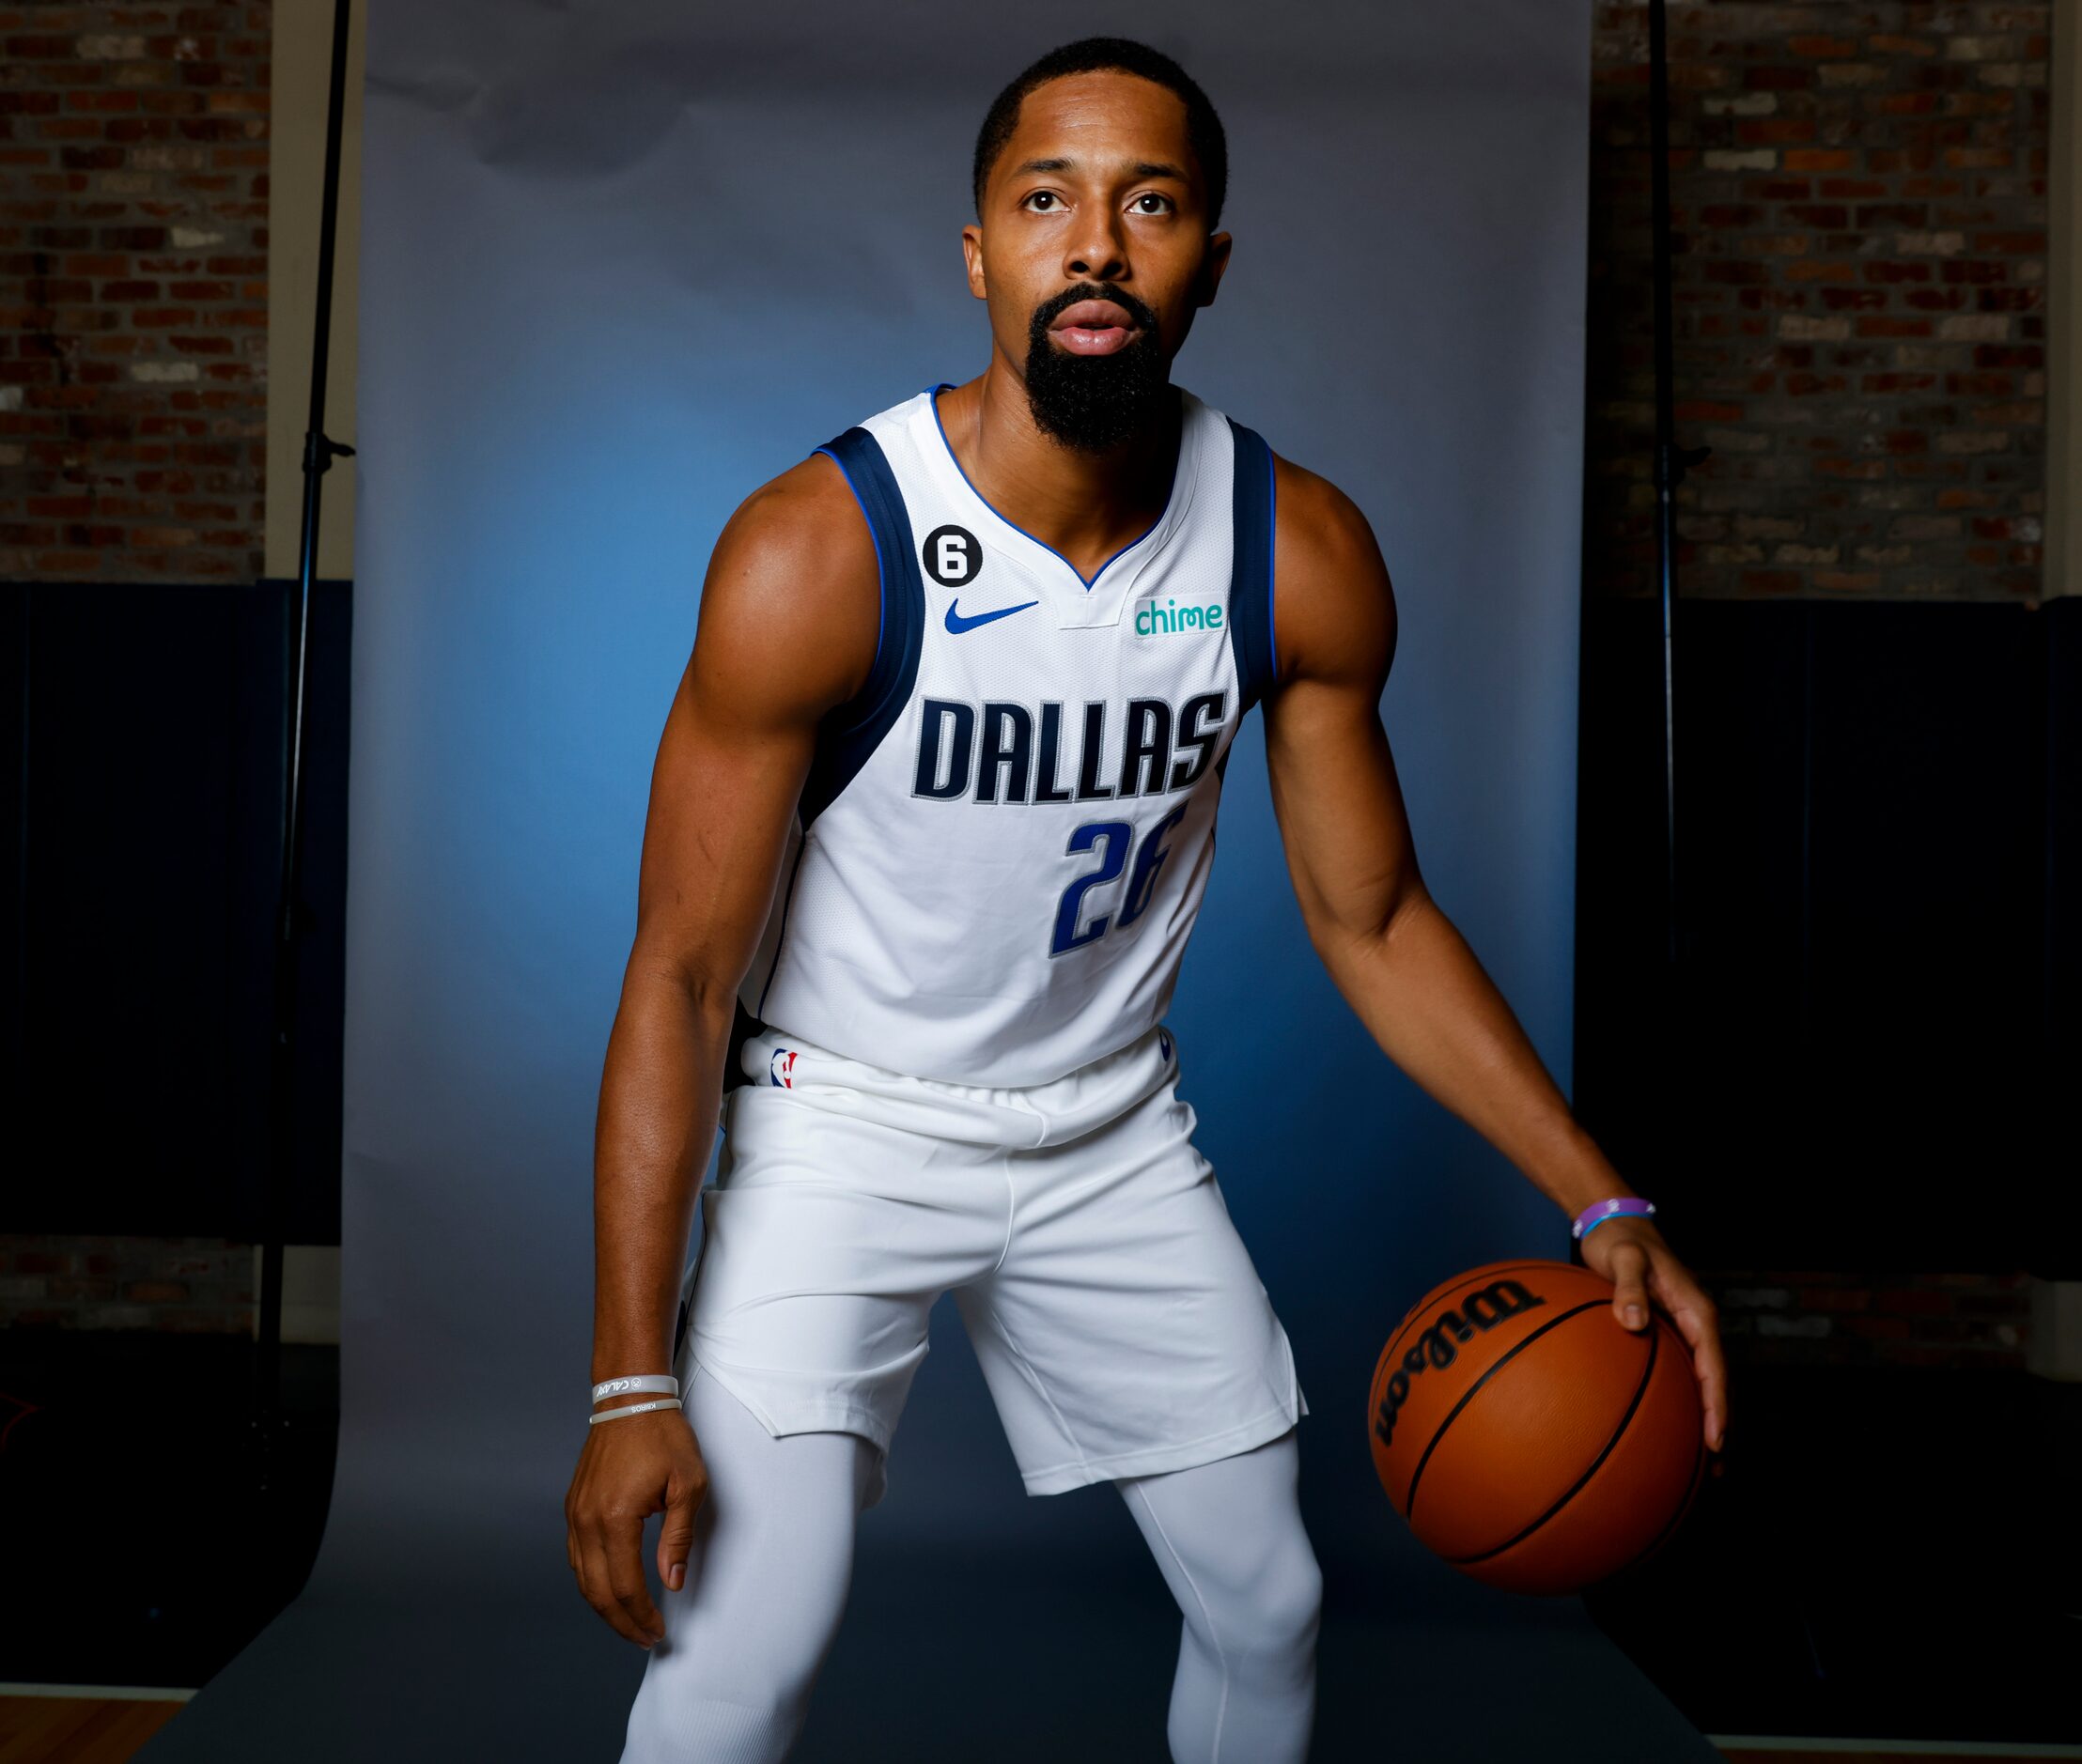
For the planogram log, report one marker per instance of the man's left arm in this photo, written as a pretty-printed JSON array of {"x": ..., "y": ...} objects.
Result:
[{"x": 1400, "y": 963}]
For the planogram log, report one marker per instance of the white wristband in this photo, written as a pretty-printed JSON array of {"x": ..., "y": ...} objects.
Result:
[
  {"x": 663, "y": 1381},
  {"x": 634, "y": 1408}
]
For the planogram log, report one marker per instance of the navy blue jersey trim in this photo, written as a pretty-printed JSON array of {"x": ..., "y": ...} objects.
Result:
[
  {"x": 1251, "y": 566},
  {"x": 852, "y": 731},
  {"x": 1272, "y": 572}
]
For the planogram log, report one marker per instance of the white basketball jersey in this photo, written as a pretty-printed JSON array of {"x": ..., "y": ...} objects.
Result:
[{"x": 1005, "y": 836}]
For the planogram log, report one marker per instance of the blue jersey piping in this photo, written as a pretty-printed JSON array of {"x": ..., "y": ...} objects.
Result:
[{"x": 932, "y": 398}]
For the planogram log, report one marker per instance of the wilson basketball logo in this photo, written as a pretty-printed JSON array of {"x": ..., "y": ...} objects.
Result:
[{"x": 1439, "y": 1345}]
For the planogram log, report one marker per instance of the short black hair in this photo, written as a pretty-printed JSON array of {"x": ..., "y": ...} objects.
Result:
[{"x": 1097, "y": 54}]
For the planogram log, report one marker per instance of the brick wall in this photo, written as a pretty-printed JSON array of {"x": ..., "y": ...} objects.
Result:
[
  {"x": 1858, "y": 207},
  {"x": 192, "y": 1284},
  {"x": 1889, "y": 1318},
  {"x": 133, "y": 239},
  {"x": 133, "y": 227},
  {"x": 1858, "y": 197},
  {"x": 1859, "y": 263}
]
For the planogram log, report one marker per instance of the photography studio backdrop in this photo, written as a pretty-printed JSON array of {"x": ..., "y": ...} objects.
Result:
[{"x": 620, "y": 265}]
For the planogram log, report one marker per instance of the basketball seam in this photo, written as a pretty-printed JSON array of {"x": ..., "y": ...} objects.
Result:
[
  {"x": 1640, "y": 1390},
  {"x": 1467, "y": 1395}
]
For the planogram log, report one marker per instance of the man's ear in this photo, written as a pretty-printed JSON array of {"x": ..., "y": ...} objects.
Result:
[
  {"x": 1211, "y": 268},
  {"x": 972, "y": 252}
]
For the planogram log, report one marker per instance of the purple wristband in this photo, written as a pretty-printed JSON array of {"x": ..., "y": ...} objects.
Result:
[{"x": 1598, "y": 1212}]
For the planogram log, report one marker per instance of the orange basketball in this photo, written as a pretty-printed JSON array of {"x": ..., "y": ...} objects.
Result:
[{"x": 1531, "y": 1438}]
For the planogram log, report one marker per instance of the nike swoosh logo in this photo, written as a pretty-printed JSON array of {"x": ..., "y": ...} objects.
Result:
[{"x": 958, "y": 623}]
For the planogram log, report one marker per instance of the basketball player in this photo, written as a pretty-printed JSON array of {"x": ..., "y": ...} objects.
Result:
[{"x": 933, "y": 810}]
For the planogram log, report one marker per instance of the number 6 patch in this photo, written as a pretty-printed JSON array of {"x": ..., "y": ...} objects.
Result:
[{"x": 953, "y": 556}]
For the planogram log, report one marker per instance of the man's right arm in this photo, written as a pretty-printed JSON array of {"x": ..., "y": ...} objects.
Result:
[{"x": 789, "y": 620}]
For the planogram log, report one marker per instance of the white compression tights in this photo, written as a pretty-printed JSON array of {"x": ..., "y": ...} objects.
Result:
[
  {"x": 773, "y": 1555},
  {"x": 766, "y": 1585},
  {"x": 1227, "y": 1537}
]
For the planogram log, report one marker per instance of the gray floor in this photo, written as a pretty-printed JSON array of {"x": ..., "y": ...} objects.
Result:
[
  {"x": 445, "y": 1626},
  {"x": 941, "y": 1657}
]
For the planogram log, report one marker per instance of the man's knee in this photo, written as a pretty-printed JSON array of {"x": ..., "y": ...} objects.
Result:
[
  {"x": 1265, "y": 1600},
  {"x": 1289, "y": 1604},
  {"x": 1262, "y": 1589}
]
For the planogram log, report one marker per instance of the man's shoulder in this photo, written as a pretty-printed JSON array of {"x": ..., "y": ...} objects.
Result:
[
  {"x": 1332, "y": 598},
  {"x": 815, "y": 502},
  {"x": 1316, "y": 525},
  {"x": 794, "y": 583},
  {"x": 808, "y": 505},
  {"x": 799, "y": 548}
]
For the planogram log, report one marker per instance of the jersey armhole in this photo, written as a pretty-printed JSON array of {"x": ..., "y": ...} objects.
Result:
[
  {"x": 852, "y": 731},
  {"x": 1251, "y": 568}
]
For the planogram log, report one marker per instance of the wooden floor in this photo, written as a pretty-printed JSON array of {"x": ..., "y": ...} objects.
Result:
[
  {"x": 1776, "y": 1756},
  {"x": 77, "y": 1729},
  {"x": 1798, "y": 1752}
]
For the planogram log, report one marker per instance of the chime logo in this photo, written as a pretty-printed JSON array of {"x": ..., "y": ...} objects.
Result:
[{"x": 1155, "y": 620}]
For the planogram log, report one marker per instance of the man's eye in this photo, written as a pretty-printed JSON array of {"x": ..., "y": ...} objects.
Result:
[
  {"x": 1152, "y": 196},
  {"x": 1041, "y": 196}
]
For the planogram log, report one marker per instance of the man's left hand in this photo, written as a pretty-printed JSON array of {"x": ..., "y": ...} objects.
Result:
[{"x": 1631, "y": 1253}]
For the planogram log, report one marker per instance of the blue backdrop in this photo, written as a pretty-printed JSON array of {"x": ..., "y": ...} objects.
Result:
[{"x": 621, "y": 264}]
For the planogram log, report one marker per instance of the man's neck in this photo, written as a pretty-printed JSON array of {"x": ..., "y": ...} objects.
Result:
[{"x": 1087, "y": 507}]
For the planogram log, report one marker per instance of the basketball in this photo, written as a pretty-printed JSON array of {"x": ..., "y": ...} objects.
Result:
[{"x": 1527, "y": 1436}]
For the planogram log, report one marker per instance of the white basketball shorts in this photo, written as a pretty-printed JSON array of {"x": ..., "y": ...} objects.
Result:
[{"x": 1116, "y": 1314}]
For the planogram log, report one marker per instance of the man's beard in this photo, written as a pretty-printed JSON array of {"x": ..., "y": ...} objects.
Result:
[{"x": 1093, "y": 403}]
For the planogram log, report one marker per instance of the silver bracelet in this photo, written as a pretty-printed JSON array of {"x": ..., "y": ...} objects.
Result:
[
  {"x": 634, "y": 1408},
  {"x": 642, "y": 1380}
]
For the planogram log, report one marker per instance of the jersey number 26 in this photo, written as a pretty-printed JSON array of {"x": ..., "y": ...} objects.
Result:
[{"x": 1111, "y": 840}]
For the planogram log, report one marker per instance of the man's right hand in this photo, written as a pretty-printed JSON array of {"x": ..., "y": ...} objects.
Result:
[{"x": 628, "y": 1471}]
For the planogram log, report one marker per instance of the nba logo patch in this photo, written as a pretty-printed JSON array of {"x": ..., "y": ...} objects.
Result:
[
  {"x": 1163, "y": 1043},
  {"x": 781, "y": 1068}
]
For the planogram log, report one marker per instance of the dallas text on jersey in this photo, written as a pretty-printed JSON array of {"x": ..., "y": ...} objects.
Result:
[{"x": 1002, "y": 753}]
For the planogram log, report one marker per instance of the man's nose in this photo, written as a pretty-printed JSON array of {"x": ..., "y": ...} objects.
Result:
[{"x": 1098, "y": 252}]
